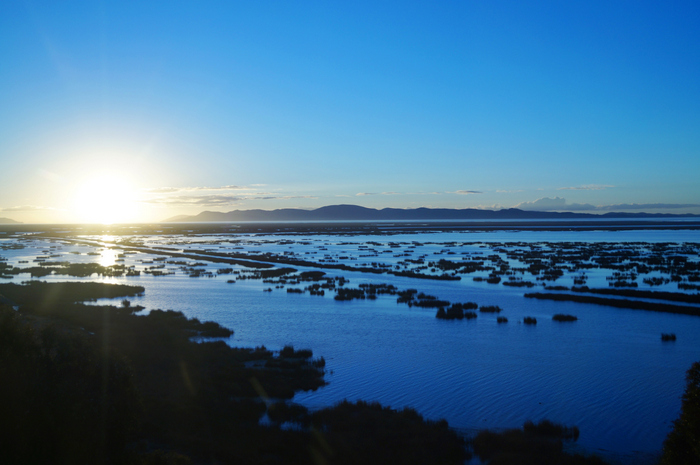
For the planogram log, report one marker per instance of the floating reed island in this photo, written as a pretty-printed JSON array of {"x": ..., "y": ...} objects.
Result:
[{"x": 563, "y": 317}]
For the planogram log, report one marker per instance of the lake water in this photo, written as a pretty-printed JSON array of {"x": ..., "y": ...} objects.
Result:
[{"x": 608, "y": 373}]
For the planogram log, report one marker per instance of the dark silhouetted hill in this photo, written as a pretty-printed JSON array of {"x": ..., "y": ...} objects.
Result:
[{"x": 357, "y": 213}]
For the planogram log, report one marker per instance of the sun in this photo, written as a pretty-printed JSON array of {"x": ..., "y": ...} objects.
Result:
[{"x": 105, "y": 199}]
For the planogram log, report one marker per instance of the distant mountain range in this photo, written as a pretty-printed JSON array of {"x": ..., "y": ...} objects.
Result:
[
  {"x": 357, "y": 213},
  {"x": 8, "y": 221}
]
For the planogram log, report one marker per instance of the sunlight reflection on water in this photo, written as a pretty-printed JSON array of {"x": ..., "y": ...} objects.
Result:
[{"x": 108, "y": 256}]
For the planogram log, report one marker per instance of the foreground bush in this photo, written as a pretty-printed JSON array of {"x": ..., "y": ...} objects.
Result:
[
  {"x": 61, "y": 399},
  {"x": 682, "y": 445},
  {"x": 534, "y": 444},
  {"x": 368, "y": 433}
]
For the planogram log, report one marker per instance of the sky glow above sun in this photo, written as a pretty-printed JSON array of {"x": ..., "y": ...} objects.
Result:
[{"x": 140, "y": 111}]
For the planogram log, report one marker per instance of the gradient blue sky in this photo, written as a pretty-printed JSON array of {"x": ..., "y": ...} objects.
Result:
[{"x": 144, "y": 110}]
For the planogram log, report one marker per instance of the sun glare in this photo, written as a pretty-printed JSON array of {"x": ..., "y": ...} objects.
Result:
[{"x": 106, "y": 200}]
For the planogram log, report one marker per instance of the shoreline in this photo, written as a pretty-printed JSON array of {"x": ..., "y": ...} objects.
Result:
[{"x": 347, "y": 227}]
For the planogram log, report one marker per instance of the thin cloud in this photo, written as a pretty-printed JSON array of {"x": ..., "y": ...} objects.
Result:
[
  {"x": 163, "y": 190},
  {"x": 560, "y": 204},
  {"x": 282, "y": 197},
  {"x": 171, "y": 190},
  {"x": 381, "y": 193},
  {"x": 587, "y": 187},
  {"x": 555, "y": 204},
  {"x": 496, "y": 206},
  {"x": 217, "y": 199},
  {"x": 501, "y": 191},
  {"x": 25, "y": 208},
  {"x": 225, "y": 188},
  {"x": 648, "y": 206},
  {"x": 464, "y": 192},
  {"x": 203, "y": 200}
]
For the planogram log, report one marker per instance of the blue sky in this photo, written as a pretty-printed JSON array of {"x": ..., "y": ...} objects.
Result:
[{"x": 138, "y": 111}]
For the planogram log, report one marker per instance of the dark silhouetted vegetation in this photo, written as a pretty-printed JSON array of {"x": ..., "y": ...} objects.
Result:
[
  {"x": 194, "y": 396},
  {"x": 63, "y": 400},
  {"x": 556, "y": 288},
  {"x": 546, "y": 428},
  {"x": 457, "y": 311},
  {"x": 534, "y": 444},
  {"x": 428, "y": 301},
  {"x": 41, "y": 294},
  {"x": 73, "y": 269},
  {"x": 563, "y": 317},
  {"x": 668, "y": 337},
  {"x": 516, "y": 283},
  {"x": 682, "y": 445},
  {"x": 502, "y": 319},
  {"x": 135, "y": 389},
  {"x": 406, "y": 296},
  {"x": 490, "y": 309},
  {"x": 619, "y": 303},
  {"x": 312, "y": 275},
  {"x": 368, "y": 433},
  {"x": 529, "y": 320},
  {"x": 349, "y": 294},
  {"x": 659, "y": 295},
  {"x": 288, "y": 351}
]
